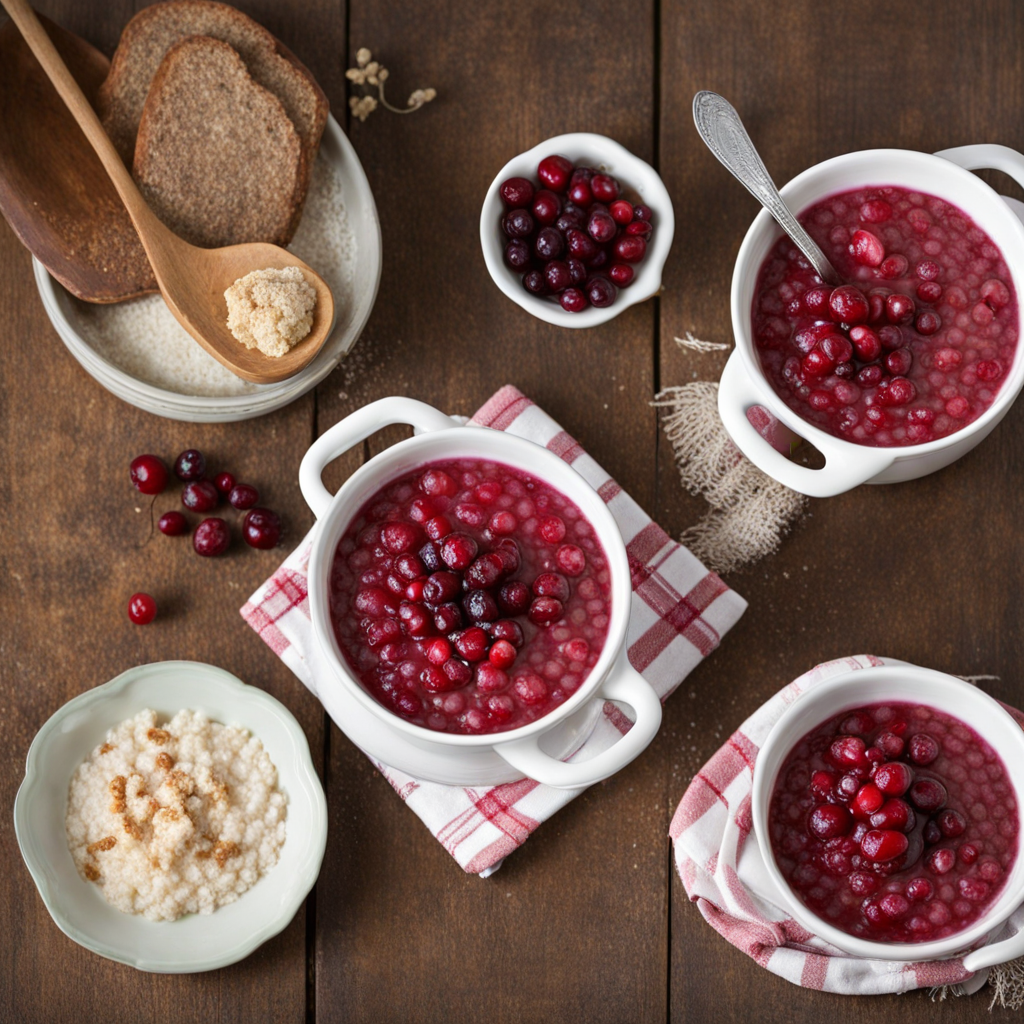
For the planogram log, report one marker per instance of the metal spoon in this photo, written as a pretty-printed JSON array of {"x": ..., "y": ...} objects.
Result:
[{"x": 722, "y": 131}]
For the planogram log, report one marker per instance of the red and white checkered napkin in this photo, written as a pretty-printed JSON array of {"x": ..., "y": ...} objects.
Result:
[
  {"x": 723, "y": 872},
  {"x": 679, "y": 614}
]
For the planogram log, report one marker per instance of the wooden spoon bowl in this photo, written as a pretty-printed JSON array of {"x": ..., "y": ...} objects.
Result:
[{"x": 192, "y": 280}]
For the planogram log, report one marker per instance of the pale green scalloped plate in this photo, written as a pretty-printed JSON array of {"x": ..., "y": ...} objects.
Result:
[{"x": 197, "y": 942}]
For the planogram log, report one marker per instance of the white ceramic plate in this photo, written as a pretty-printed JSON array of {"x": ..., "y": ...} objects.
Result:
[
  {"x": 197, "y": 942},
  {"x": 352, "y": 315}
]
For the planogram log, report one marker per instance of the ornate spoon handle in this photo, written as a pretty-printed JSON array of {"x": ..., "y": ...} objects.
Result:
[{"x": 722, "y": 130}]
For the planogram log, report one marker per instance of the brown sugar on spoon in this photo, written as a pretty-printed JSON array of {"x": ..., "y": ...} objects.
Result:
[{"x": 217, "y": 158}]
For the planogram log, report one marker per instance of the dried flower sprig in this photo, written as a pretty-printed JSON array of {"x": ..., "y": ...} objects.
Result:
[{"x": 369, "y": 72}]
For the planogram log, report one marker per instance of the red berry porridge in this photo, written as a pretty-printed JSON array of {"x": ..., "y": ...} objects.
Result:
[
  {"x": 915, "y": 346},
  {"x": 894, "y": 822},
  {"x": 470, "y": 597}
]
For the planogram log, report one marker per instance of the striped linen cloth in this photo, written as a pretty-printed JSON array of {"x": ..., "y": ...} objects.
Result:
[
  {"x": 679, "y": 614},
  {"x": 724, "y": 874}
]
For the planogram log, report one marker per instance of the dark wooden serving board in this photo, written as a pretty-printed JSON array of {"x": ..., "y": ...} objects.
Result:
[{"x": 53, "y": 189}]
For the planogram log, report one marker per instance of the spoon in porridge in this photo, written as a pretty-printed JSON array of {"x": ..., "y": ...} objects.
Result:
[{"x": 194, "y": 281}]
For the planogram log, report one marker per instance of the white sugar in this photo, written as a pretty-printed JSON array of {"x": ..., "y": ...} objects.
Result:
[{"x": 143, "y": 339}]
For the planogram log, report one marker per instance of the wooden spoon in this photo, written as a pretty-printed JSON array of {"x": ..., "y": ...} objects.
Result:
[{"x": 192, "y": 280}]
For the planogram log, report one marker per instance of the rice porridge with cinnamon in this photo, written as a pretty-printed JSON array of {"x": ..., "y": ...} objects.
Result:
[{"x": 175, "y": 819}]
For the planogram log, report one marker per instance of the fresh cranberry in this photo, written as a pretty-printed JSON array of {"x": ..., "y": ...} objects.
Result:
[
  {"x": 579, "y": 190},
  {"x": 211, "y": 538},
  {"x": 472, "y": 643},
  {"x": 601, "y": 226},
  {"x": 848, "y": 304},
  {"x": 640, "y": 228},
  {"x": 555, "y": 172},
  {"x": 573, "y": 300},
  {"x": 629, "y": 248},
  {"x": 621, "y": 211},
  {"x": 535, "y": 282},
  {"x": 828, "y": 821},
  {"x": 572, "y": 216},
  {"x": 517, "y": 224},
  {"x": 243, "y": 496},
  {"x": 224, "y": 482},
  {"x": 581, "y": 245},
  {"x": 190, "y": 465},
  {"x": 200, "y": 496},
  {"x": 545, "y": 610},
  {"x": 642, "y": 212},
  {"x": 548, "y": 244},
  {"x": 600, "y": 292},
  {"x": 546, "y": 207},
  {"x": 515, "y": 598},
  {"x": 558, "y": 275},
  {"x": 866, "y": 248},
  {"x": 621, "y": 274},
  {"x": 928, "y": 795},
  {"x": 148, "y": 474},
  {"x": 261, "y": 528},
  {"x": 172, "y": 524},
  {"x": 516, "y": 192},
  {"x": 605, "y": 188},
  {"x": 882, "y": 845},
  {"x": 517, "y": 254},
  {"x": 141, "y": 609}
]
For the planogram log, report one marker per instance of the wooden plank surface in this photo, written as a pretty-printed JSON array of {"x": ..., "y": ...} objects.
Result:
[{"x": 588, "y": 921}]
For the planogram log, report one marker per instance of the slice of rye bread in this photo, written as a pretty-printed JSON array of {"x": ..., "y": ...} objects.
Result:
[
  {"x": 155, "y": 29},
  {"x": 217, "y": 158}
]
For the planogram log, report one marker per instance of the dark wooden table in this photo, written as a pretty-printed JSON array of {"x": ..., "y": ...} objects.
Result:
[{"x": 587, "y": 922}]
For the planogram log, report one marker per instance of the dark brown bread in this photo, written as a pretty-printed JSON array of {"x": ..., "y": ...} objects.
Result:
[
  {"x": 217, "y": 157},
  {"x": 145, "y": 42}
]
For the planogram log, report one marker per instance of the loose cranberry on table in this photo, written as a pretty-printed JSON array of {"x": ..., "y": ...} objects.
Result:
[
  {"x": 470, "y": 597},
  {"x": 190, "y": 465},
  {"x": 224, "y": 483},
  {"x": 243, "y": 496},
  {"x": 918, "y": 340},
  {"x": 148, "y": 474},
  {"x": 141, "y": 609},
  {"x": 576, "y": 216},
  {"x": 895, "y": 822},
  {"x": 172, "y": 524},
  {"x": 212, "y": 538},
  {"x": 200, "y": 496},
  {"x": 261, "y": 528}
]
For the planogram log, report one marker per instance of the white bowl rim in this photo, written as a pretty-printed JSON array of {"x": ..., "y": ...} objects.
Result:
[
  {"x": 640, "y": 177},
  {"x": 309, "y": 787},
  {"x": 782, "y": 736},
  {"x": 229, "y": 408},
  {"x": 377, "y": 473},
  {"x": 744, "y": 345}
]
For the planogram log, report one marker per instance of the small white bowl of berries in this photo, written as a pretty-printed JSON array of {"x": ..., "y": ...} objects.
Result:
[{"x": 577, "y": 229}]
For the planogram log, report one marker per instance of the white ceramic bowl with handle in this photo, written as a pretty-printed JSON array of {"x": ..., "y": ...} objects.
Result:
[
  {"x": 913, "y": 685},
  {"x": 743, "y": 385},
  {"x": 534, "y": 750},
  {"x": 637, "y": 177}
]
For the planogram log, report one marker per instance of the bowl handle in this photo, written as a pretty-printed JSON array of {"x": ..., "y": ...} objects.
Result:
[
  {"x": 999, "y": 158},
  {"x": 996, "y": 952},
  {"x": 355, "y": 428},
  {"x": 624, "y": 684},
  {"x": 843, "y": 470}
]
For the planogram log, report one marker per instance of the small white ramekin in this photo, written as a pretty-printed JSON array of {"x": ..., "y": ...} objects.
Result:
[
  {"x": 534, "y": 750},
  {"x": 907, "y": 684},
  {"x": 743, "y": 385},
  {"x": 634, "y": 174}
]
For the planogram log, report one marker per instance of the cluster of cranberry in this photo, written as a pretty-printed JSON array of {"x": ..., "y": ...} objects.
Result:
[
  {"x": 574, "y": 237},
  {"x": 261, "y": 527}
]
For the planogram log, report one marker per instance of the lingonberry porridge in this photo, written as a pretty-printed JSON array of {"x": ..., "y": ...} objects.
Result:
[
  {"x": 470, "y": 597},
  {"x": 918, "y": 341},
  {"x": 895, "y": 822}
]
